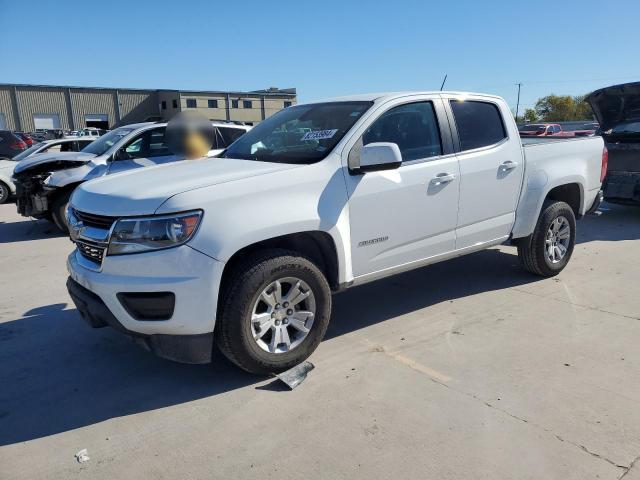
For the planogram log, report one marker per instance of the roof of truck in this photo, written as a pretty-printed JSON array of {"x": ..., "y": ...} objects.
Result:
[{"x": 384, "y": 96}]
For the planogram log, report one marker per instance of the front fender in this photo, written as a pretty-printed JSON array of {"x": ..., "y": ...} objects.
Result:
[
  {"x": 62, "y": 178},
  {"x": 241, "y": 213}
]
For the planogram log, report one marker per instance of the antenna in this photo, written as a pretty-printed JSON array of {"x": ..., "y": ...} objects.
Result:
[{"x": 443, "y": 82}]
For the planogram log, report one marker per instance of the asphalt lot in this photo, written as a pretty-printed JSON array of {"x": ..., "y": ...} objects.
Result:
[{"x": 469, "y": 369}]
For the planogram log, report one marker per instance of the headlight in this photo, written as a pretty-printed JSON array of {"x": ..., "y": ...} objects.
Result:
[{"x": 134, "y": 235}]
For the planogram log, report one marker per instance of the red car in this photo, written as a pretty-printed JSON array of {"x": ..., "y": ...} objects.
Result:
[
  {"x": 25, "y": 137},
  {"x": 544, "y": 130}
]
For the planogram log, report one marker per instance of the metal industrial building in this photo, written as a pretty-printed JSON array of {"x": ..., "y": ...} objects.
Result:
[{"x": 31, "y": 107}]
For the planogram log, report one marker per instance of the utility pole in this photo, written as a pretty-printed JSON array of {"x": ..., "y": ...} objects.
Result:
[
  {"x": 443, "y": 82},
  {"x": 518, "y": 103}
]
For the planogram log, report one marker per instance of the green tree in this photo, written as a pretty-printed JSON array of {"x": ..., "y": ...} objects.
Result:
[
  {"x": 583, "y": 109},
  {"x": 562, "y": 108},
  {"x": 530, "y": 115}
]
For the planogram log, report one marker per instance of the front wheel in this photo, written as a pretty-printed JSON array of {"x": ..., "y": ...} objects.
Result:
[
  {"x": 548, "y": 249},
  {"x": 274, "y": 313}
]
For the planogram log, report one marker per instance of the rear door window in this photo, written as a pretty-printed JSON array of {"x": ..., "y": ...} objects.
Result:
[{"x": 479, "y": 124}]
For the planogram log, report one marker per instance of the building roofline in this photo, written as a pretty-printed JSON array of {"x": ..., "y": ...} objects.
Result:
[{"x": 287, "y": 92}]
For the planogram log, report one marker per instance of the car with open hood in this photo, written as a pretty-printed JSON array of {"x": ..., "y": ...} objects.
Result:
[
  {"x": 44, "y": 183},
  {"x": 50, "y": 147},
  {"x": 617, "y": 109}
]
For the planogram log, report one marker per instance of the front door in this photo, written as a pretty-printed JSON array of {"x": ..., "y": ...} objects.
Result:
[
  {"x": 409, "y": 214},
  {"x": 145, "y": 150}
]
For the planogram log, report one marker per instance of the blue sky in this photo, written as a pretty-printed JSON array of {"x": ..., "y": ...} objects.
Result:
[{"x": 325, "y": 48}]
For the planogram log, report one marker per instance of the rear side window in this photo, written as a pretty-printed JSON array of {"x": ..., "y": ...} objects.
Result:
[
  {"x": 479, "y": 124},
  {"x": 413, "y": 127}
]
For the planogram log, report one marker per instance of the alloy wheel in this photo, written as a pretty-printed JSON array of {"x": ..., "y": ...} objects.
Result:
[
  {"x": 283, "y": 315},
  {"x": 557, "y": 239}
]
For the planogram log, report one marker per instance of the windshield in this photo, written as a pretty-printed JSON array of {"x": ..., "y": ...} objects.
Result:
[
  {"x": 104, "y": 143},
  {"x": 300, "y": 134},
  {"x": 531, "y": 128},
  {"x": 32, "y": 149}
]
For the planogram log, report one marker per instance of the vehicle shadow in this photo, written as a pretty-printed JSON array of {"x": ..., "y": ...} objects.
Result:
[
  {"x": 26, "y": 230},
  {"x": 384, "y": 299},
  {"x": 58, "y": 374},
  {"x": 615, "y": 223}
]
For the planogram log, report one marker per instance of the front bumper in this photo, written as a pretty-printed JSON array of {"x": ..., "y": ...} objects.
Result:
[
  {"x": 622, "y": 187},
  {"x": 32, "y": 199},
  {"x": 193, "y": 278}
]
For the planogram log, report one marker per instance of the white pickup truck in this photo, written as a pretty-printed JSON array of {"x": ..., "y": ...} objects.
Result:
[{"x": 244, "y": 250}]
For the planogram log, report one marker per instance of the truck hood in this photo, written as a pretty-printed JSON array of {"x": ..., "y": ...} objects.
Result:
[
  {"x": 73, "y": 159},
  {"x": 616, "y": 104},
  {"x": 142, "y": 191}
]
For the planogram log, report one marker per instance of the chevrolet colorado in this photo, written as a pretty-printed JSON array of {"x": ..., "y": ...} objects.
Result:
[{"x": 244, "y": 250}]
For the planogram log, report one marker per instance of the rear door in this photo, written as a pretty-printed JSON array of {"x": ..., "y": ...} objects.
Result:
[
  {"x": 491, "y": 169},
  {"x": 144, "y": 150},
  {"x": 408, "y": 215}
]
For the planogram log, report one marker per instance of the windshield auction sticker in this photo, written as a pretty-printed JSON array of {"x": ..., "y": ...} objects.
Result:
[{"x": 319, "y": 135}]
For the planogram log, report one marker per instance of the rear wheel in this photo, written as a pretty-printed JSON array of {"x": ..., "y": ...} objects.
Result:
[
  {"x": 58, "y": 211},
  {"x": 274, "y": 313},
  {"x": 5, "y": 193},
  {"x": 548, "y": 249}
]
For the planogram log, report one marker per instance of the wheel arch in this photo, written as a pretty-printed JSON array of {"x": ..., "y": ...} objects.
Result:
[
  {"x": 318, "y": 246},
  {"x": 570, "y": 193},
  {"x": 569, "y": 190}
]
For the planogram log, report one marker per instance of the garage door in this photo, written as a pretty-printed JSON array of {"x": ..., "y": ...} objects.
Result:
[
  {"x": 46, "y": 121},
  {"x": 97, "y": 120},
  {"x": 3, "y": 122}
]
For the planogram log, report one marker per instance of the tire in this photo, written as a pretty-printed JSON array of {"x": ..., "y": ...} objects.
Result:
[
  {"x": 243, "y": 296},
  {"x": 58, "y": 211},
  {"x": 535, "y": 250},
  {"x": 5, "y": 192}
]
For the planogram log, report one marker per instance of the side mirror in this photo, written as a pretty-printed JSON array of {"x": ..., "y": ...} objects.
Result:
[{"x": 379, "y": 156}]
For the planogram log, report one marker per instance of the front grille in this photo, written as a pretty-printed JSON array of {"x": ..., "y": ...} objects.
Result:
[
  {"x": 91, "y": 251},
  {"x": 91, "y": 220}
]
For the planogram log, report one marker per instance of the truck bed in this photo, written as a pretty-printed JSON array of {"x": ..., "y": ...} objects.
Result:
[
  {"x": 557, "y": 161},
  {"x": 578, "y": 157},
  {"x": 542, "y": 140}
]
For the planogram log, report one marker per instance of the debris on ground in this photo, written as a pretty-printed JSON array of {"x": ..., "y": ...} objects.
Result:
[
  {"x": 296, "y": 375},
  {"x": 82, "y": 456}
]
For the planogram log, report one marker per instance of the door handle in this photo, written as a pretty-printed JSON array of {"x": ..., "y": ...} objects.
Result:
[
  {"x": 508, "y": 165},
  {"x": 443, "y": 178}
]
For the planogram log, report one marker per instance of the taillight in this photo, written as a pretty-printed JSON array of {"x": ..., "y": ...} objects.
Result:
[
  {"x": 605, "y": 163},
  {"x": 18, "y": 145}
]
